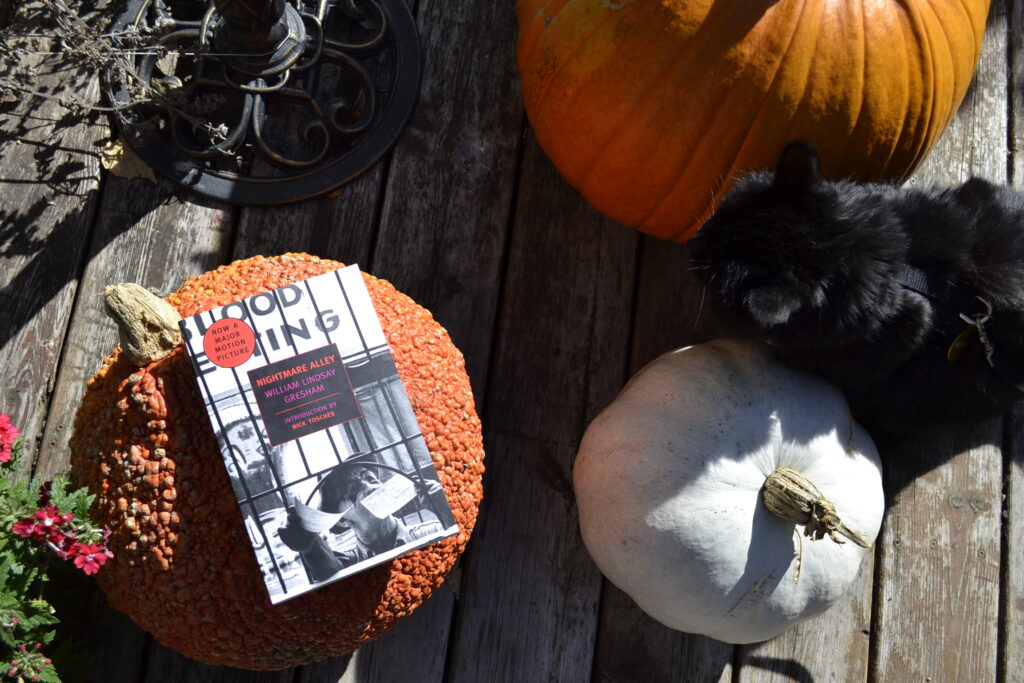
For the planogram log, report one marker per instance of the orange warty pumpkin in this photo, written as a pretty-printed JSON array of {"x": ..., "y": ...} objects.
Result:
[
  {"x": 183, "y": 567},
  {"x": 650, "y": 107}
]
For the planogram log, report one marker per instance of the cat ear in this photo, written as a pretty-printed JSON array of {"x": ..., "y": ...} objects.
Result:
[
  {"x": 770, "y": 306},
  {"x": 798, "y": 167}
]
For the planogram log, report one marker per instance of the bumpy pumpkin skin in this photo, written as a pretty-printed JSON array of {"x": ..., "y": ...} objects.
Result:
[
  {"x": 650, "y": 107},
  {"x": 183, "y": 567}
]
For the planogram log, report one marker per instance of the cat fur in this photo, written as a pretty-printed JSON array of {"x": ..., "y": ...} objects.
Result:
[{"x": 813, "y": 268}]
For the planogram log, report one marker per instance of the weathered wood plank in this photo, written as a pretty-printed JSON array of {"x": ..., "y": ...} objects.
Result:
[
  {"x": 1011, "y": 655},
  {"x": 671, "y": 304},
  {"x": 530, "y": 593},
  {"x": 167, "y": 666},
  {"x": 938, "y": 597},
  {"x": 632, "y": 646},
  {"x": 653, "y": 652},
  {"x": 48, "y": 191},
  {"x": 408, "y": 652},
  {"x": 340, "y": 227},
  {"x": 438, "y": 234},
  {"x": 449, "y": 198}
]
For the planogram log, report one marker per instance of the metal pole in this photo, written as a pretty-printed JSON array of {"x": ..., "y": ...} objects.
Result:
[{"x": 259, "y": 38}]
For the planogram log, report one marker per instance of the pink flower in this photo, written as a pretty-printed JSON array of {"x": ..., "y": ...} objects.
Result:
[
  {"x": 49, "y": 517},
  {"x": 24, "y": 527},
  {"x": 89, "y": 557},
  {"x": 8, "y": 432},
  {"x": 45, "y": 491},
  {"x": 63, "y": 544},
  {"x": 8, "y": 435},
  {"x": 43, "y": 525}
]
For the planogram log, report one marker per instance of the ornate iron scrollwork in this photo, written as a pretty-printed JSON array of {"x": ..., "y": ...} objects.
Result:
[{"x": 265, "y": 101}]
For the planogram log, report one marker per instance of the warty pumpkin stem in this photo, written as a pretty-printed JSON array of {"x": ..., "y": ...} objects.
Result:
[
  {"x": 147, "y": 325},
  {"x": 791, "y": 496}
]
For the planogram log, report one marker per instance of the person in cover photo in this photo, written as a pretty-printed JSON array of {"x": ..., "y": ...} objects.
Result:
[
  {"x": 248, "y": 464},
  {"x": 347, "y": 490}
]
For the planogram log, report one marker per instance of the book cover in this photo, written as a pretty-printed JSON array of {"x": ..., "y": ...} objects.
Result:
[{"x": 321, "y": 445}]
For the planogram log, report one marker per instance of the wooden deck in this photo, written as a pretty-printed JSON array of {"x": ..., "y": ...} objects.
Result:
[{"x": 554, "y": 307}]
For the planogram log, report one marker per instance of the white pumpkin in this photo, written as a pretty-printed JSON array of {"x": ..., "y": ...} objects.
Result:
[{"x": 669, "y": 482}]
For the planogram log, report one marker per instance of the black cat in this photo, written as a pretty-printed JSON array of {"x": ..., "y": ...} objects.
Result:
[{"x": 910, "y": 300}]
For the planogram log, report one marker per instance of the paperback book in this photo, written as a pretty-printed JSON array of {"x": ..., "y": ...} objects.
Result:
[{"x": 324, "y": 454}]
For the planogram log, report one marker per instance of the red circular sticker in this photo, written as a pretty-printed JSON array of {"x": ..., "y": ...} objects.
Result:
[{"x": 229, "y": 342}]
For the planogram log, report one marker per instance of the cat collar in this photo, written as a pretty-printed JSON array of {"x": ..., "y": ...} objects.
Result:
[
  {"x": 975, "y": 325},
  {"x": 950, "y": 294}
]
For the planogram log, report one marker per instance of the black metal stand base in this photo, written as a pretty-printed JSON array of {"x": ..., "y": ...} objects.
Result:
[{"x": 262, "y": 101}]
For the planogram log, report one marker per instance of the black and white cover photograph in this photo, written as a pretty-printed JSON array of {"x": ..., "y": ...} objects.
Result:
[{"x": 320, "y": 443}]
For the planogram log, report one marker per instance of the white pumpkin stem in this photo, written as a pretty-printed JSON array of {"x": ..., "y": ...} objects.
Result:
[
  {"x": 791, "y": 496},
  {"x": 147, "y": 325}
]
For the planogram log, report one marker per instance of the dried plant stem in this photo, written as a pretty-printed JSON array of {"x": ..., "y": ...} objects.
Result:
[
  {"x": 148, "y": 325},
  {"x": 63, "y": 99},
  {"x": 96, "y": 51},
  {"x": 791, "y": 496}
]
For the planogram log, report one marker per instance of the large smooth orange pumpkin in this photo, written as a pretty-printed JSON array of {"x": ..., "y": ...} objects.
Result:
[{"x": 649, "y": 107}]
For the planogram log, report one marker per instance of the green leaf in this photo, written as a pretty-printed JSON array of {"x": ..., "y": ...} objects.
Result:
[{"x": 26, "y": 564}]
